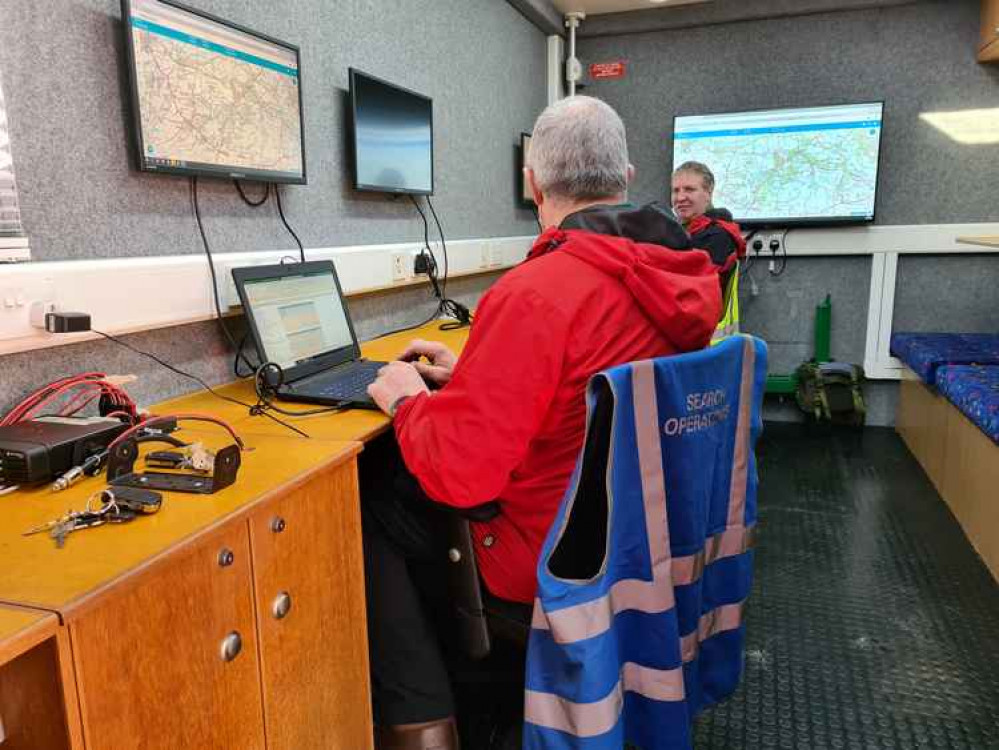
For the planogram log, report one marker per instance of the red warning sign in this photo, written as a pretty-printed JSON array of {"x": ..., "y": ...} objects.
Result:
[{"x": 605, "y": 70}]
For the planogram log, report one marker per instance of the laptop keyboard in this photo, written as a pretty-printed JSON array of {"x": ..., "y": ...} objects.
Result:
[{"x": 351, "y": 385}]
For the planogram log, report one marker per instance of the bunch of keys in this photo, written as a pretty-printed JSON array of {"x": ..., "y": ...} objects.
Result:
[{"x": 113, "y": 505}]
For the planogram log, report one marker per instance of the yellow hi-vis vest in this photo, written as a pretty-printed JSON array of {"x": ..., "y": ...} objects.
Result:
[{"x": 729, "y": 324}]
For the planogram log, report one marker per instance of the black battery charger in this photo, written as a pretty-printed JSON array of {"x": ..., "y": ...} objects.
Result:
[{"x": 39, "y": 450}]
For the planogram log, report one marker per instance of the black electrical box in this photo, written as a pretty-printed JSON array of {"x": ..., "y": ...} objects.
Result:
[{"x": 39, "y": 450}]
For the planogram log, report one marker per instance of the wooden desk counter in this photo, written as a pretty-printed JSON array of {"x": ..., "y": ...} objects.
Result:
[
  {"x": 245, "y": 607},
  {"x": 21, "y": 629},
  {"x": 38, "y": 705},
  {"x": 38, "y": 574}
]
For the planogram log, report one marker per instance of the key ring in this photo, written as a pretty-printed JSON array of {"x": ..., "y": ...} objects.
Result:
[{"x": 107, "y": 506}]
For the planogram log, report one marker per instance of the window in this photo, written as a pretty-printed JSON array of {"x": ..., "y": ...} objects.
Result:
[{"x": 10, "y": 214}]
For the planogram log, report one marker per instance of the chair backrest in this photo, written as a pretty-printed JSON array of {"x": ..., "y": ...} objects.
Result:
[{"x": 642, "y": 579}]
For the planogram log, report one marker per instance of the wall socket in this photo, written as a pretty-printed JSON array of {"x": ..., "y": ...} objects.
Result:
[{"x": 402, "y": 266}]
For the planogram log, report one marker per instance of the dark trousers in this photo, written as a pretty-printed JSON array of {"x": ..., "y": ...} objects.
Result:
[{"x": 404, "y": 559}]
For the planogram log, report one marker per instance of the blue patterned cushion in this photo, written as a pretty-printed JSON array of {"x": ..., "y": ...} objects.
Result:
[
  {"x": 925, "y": 352},
  {"x": 975, "y": 391}
]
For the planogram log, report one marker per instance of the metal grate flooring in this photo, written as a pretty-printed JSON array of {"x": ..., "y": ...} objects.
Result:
[{"x": 873, "y": 624}]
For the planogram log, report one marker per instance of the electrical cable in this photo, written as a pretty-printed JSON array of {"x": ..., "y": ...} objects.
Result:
[
  {"x": 447, "y": 306},
  {"x": 248, "y": 201},
  {"x": 195, "y": 378},
  {"x": 174, "y": 418},
  {"x": 240, "y": 355},
  {"x": 780, "y": 256},
  {"x": 750, "y": 256},
  {"x": 301, "y": 249},
  {"x": 431, "y": 319},
  {"x": 443, "y": 245},
  {"x": 264, "y": 399},
  {"x": 215, "y": 284},
  {"x": 113, "y": 398},
  {"x": 432, "y": 259}
]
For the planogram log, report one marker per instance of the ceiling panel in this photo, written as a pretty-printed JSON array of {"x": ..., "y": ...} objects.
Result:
[{"x": 596, "y": 7}]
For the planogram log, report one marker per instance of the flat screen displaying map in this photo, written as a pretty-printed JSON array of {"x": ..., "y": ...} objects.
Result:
[
  {"x": 788, "y": 167},
  {"x": 212, "y": 98}
]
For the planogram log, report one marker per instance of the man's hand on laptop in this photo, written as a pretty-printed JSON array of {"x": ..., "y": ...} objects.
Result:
[
  {"x": 440, "y": 360},
  {"x": 396, "y": 382}
]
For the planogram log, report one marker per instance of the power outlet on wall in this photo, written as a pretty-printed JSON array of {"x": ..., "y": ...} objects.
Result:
[{"x": 402, "y": 266}]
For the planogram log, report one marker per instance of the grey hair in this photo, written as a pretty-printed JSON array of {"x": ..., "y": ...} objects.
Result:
[
  {"x": 579, "y": 150},
  {"x": 695, "y": 167}
]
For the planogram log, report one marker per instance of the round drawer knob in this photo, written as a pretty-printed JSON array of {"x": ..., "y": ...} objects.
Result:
[
  {"x": 277, "y": 525},
  {"x": 232, "y": 644},
  {"x": 226, "y": 558},
  {"x": 454, "y": 555},
  {"x": 281, "y": 605}
]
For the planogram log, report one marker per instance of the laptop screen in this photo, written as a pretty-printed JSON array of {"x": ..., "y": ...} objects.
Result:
[{"x": 298, "y": 317}]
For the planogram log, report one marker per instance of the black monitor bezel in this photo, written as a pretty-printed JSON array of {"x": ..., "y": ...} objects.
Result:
[
  {"x": 801, "y": 221},
  {"x": 202, "y": 170},
  {"x": 278, "y": 271},
  {"x": 364, "y": 187},
  {"x": 523, "y": 166}
]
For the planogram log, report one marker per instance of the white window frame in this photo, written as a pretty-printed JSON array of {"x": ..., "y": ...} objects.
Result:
[{"x": 13, "y": 242}]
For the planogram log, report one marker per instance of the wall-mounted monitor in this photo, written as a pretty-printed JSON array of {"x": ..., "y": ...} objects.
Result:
[
  {"x": 212, "y": 98},
  {"x": 393, "y": 137},
  {"x": 789, "y": 167},
  {"x": 525, "y": 189}
]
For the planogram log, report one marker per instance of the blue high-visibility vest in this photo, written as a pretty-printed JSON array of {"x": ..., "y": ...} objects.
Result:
[{"x": 638, "y": 622}]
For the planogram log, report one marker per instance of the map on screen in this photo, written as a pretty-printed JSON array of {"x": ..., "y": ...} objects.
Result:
[
  {"x": 213, "y": 98},
  {"x": 792, "y": 166}
]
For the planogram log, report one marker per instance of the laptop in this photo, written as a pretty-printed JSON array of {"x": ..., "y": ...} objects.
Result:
[{"x": 298, "y": 319}]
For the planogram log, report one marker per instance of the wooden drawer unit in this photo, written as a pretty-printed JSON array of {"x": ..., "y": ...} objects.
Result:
[
  {"x": 309, "y": 588},
  {"x": 149, "y": 656}
]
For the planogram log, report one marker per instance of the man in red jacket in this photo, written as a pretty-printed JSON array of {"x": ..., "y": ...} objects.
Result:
[
  {"x": 604, "y": 284},
  {"x": 710, "y": 228}
]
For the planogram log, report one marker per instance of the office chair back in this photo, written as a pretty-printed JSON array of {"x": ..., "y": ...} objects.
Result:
[{"x": 638, "y": 622}]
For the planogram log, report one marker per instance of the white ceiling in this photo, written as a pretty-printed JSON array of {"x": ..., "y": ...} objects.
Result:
[{"x": 595, "y": 7}]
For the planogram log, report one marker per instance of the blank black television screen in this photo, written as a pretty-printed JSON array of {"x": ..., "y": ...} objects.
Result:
[
  {"x": 212, "y": 98},
  {"x": 393, "y": 134}
]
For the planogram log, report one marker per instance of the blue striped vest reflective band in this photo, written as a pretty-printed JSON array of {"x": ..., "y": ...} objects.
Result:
[
  {"x": 729, "y": 323},
  {"x": 638, "y": 622}
]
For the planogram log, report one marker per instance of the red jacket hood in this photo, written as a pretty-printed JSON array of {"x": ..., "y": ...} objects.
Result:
[
  {"x": 677, "y": 290},
  {"x": 703, "y": 222}
]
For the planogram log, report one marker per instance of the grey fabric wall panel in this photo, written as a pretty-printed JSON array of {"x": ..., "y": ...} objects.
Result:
[
  {"x": 200, "y": 349},
  {"x": 957, "y": 293},
  {"x": 918, "y": 58},
  {"x": 720, "y": 11},
  {"x": 783, "y": 313},
  {"x": 481, "y": 61}
]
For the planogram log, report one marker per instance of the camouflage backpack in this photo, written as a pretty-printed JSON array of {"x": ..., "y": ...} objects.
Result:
[{"x": 831, "y": 392}]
